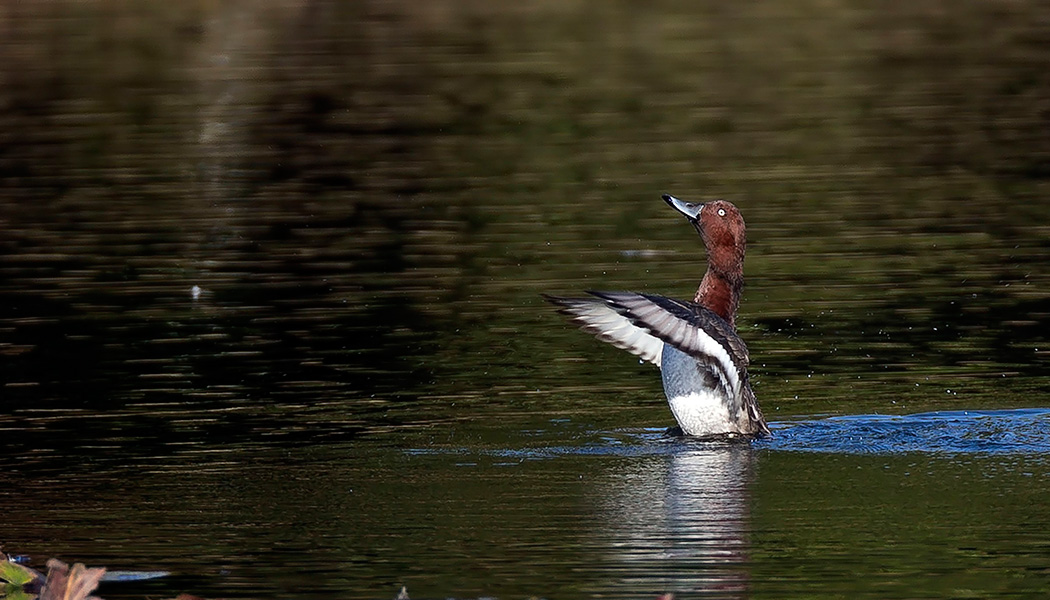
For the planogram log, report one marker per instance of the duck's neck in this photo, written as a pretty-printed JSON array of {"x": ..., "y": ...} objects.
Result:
[{"x": 720, "y": 293}]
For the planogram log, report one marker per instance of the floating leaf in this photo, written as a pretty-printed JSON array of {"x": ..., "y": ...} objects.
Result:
[
  {"x": 16, "y": 574},
  {"x": 12, "y": 592}
]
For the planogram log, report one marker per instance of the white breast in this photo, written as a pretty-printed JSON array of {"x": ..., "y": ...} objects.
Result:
[
  {"x": 702, "y": 413},
  {"x": 697, "y": 397}
]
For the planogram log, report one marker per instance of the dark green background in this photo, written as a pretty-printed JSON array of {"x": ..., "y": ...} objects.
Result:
[{"x": 370, "y": 195}]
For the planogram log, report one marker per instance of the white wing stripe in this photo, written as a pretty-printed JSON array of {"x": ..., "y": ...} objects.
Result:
[
  {"x": 710, "y": 346},
  {"x": 597, "y": 317}
]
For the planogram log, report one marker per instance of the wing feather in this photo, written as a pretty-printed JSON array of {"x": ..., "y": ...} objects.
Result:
[
  {"x": 673, "y": 321},
  {"x": 598, "y": 317},
  {"x": 642, "y": 323}
]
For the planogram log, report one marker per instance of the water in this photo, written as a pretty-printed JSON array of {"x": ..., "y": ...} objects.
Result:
[
  {"x": 1011, "y": 432},
  {"x": 270, "y": 316}
]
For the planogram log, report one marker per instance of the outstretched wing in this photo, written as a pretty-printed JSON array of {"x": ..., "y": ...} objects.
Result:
[
  {"x": 691, "y": 328},
  {"x": 600, "y": 317},
  {"x": 642, "y": 323}
]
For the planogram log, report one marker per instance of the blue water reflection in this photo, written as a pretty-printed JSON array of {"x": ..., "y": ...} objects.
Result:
[
  {"x": 1021, "y": 431},
  {"x": 1018, "y": 431}
]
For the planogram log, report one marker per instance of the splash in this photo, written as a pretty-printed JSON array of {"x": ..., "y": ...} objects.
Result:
[
  {"x": 976, "y": 432},
  {"x": 1021, "y": 431}
]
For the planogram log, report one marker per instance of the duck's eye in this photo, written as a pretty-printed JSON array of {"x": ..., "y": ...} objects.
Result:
[{"x": 721, "y": 212}]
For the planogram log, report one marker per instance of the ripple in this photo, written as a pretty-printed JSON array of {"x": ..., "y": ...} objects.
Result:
[
  {"x": 1020, "y": 431},
  {"x": 618, "y": 443},
  {"x": 981, "y": 432}
]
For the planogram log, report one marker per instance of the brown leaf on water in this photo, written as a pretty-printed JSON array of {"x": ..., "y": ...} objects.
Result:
[{"x": 64, "y": 583}]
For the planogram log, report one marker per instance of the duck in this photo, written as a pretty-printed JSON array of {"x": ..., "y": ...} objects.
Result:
[{"x": 702, "y": 359}]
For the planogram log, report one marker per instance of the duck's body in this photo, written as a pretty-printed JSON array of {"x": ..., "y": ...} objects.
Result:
[{"x": 702, "y": 360}]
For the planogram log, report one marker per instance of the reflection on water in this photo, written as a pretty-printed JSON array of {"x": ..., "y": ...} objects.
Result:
[
  {"x": 679, "y": 522},
  {"x": 664, "y": 514},
  {"x": 252, "y": 252}
]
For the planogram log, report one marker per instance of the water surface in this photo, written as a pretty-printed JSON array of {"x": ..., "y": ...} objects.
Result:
[{"x": 270, "y": 314}]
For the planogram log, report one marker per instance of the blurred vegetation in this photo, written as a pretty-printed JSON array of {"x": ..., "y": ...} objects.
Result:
[
  {"x": 960, "y": 104},
  {"x": 826, "y": 103},
  {"x": 418, "y": 159}
]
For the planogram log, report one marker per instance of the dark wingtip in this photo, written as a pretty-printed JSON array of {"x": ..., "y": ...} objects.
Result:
[
  {"x": 604, "y": 295},
  {"x": 667, "y": 197},
  {"x": 562, "y": 302}
]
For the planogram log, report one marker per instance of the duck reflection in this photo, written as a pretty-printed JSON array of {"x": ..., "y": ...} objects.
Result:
[{"x": 678, "y": 522}]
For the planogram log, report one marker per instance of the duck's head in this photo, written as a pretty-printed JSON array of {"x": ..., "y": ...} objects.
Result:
[{"x": 721, "y": 227}]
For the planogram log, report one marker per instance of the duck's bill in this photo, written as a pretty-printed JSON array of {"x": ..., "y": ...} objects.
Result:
[{"x": 689, "y": 209}]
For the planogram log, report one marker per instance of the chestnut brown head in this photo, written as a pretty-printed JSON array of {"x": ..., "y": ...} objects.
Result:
[{"x": 722, "y": 228}]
